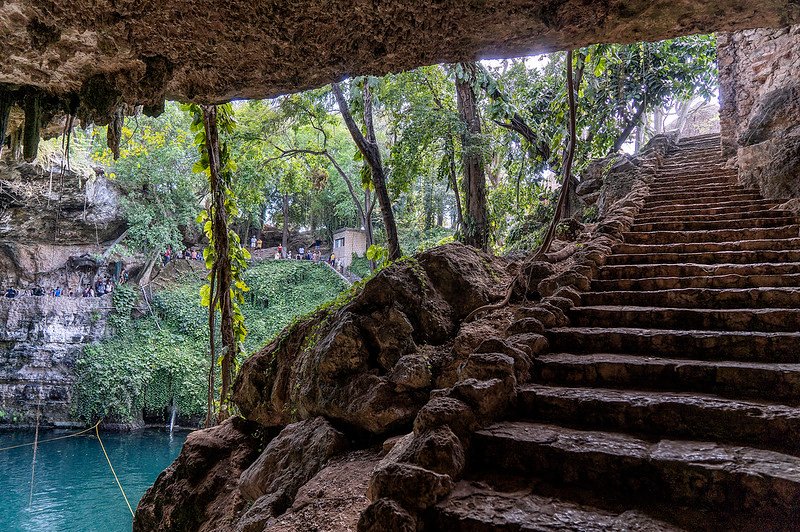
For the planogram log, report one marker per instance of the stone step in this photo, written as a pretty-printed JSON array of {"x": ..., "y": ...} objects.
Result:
[
  {"x": 739, "y": 215},
  {"x": 773, "y": 382},
  {"x": 765, "y": 319},
  {"x": 721, "y": 479},
  {"x": 692, "y": 171},
  {"x": 712, "y": 281},
  {"x": 479, "y": 507},
  {"x": 673, "y": 187},
  {"x": 714, "y": 257},
  {"x": 703, "y": 225},
  {"x": 689, "y": 172},
  {"x": 711, "y": 235},
  {"x": 696, "y": 199},
  {"x": 719, "y": 298},
  {"x": 694, "y": 344},
  {"x": 780, "y": 244},
  {"x": 644, "y": 271},
  {"x": 662, "y": 415},
  {"x": 727, "y": 206}
]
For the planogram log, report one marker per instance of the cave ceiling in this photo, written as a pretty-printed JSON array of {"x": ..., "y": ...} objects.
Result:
[{"x": 105, "y": 52}]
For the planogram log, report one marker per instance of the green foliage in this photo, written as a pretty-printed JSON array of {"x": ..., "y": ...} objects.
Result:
[
  {"x": 143, "y": 367},
  {"x": 360, "y": 266},
  {"x": 377, "y": 253},
  {"x": 124, "y": 297},
  {"x": 154, "y": 171}
]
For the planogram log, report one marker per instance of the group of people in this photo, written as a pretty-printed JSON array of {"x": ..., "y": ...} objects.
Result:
[
  {"x": 255, "y": 243},
  {"x": 304, "y": 254},
  {"x": 187, "y": 254},
  {"x": 39, "y": 291},
  {"x": 101, "y": 287}
]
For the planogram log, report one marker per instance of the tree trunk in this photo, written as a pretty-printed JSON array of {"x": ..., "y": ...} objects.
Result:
[
  {"x": 222, "y": 261},
  {"x": 626, "y": 131},
  {"x": 476, "y": 230},
  {"x": 570, "y": 156},
  {"x": 285, "y": 237},
  {"x": 369, "y": 149},
  {"x": 454, "y": 183}
]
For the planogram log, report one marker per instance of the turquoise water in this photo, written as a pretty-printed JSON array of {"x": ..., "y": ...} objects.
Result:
[{"x": 74, "y": 490}]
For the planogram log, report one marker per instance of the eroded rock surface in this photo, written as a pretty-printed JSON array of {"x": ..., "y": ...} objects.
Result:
[
  {"x": 371, "y": 363},
  {"x": 760, "y": 102},
  {"x": 41, "y": 338},
  {"x": 47, "y": 218},
  {"x": 140, "y": 52},
  {"x": 288, "y": 462},
  {"x": 200, "y": 490}
]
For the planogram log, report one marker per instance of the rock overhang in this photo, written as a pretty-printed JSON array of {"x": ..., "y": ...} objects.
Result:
[{"x": 144, "y": 51}]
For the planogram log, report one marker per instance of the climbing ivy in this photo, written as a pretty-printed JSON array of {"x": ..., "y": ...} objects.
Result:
[
  {"x": 124, "y": 297},
  {"x": 156, "y": 360}
]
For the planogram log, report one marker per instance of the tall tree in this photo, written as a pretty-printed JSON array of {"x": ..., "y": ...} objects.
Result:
[
  {"x": 368, "y": 146},
  {"x": 476, "y": 230}
]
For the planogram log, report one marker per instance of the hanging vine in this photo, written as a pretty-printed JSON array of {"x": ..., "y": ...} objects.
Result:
[{"x": 225, "y": 257}]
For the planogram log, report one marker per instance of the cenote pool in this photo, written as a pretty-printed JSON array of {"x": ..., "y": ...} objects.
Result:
[{"x": 74, "y": 489}]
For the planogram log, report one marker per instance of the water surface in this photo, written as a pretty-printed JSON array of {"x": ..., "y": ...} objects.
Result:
[{"x": 74, "y": 490}]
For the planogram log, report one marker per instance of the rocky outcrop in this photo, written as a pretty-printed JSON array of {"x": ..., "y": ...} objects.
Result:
[
  {"x": 40, "y": 341},
  {"x": 370, "y": 363},
  {"x": 106, "y": 53},
  {"x": 760, "y": 103},
  {"x": 199, "y": 491},
  {"x": 399, "y": 356}
]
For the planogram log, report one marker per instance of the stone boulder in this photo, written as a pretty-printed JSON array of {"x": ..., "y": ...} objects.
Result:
[
  {"x": 200, "y": 490},
  {"x": 290, "y": 460},
  {"x": 371, "y": 362}
]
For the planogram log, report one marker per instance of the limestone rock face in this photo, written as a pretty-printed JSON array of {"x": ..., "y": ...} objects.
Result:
[
  {"x": 40, "y": 341},
  {"x": 372, "y": 362},
  {"x": 46, "y": 220},
  {"x": 140, "y": 52},
  {"x": 760, "y": 105}
]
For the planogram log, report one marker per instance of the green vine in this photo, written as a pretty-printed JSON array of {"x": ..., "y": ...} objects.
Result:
[{"x": 225, "y": 258}]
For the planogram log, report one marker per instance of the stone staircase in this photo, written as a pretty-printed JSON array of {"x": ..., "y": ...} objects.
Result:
[{"x": 673, "y": 399}]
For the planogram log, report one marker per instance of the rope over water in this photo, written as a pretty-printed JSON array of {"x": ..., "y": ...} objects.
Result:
[
  {"x": 96, "y": 429},
  {"x": 84, "y": 431},
  {"x": 97, "y": 432}
]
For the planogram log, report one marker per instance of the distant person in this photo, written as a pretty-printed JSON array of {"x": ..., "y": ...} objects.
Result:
[
  {"x": 280, "y": 250},
  {"x": 259, "y": 243},
  {"x": 332, "y": 262},
  {"x": 253, "y": 242},
  {"x": 100, "y": 288},
  {"x": 57, "y": 292},
  {"x": 277, "y": 255},
  {"x": 11, "y": 293},
  {"x": 301, "y": 252},
  {"x": 38, "y": 291}
]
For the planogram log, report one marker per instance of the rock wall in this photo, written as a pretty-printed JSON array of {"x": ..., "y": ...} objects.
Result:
[
  {"x": 45, "y": 219},
  {"x": 760, "y": 107},
  {"x": 40, "y": 340}
]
